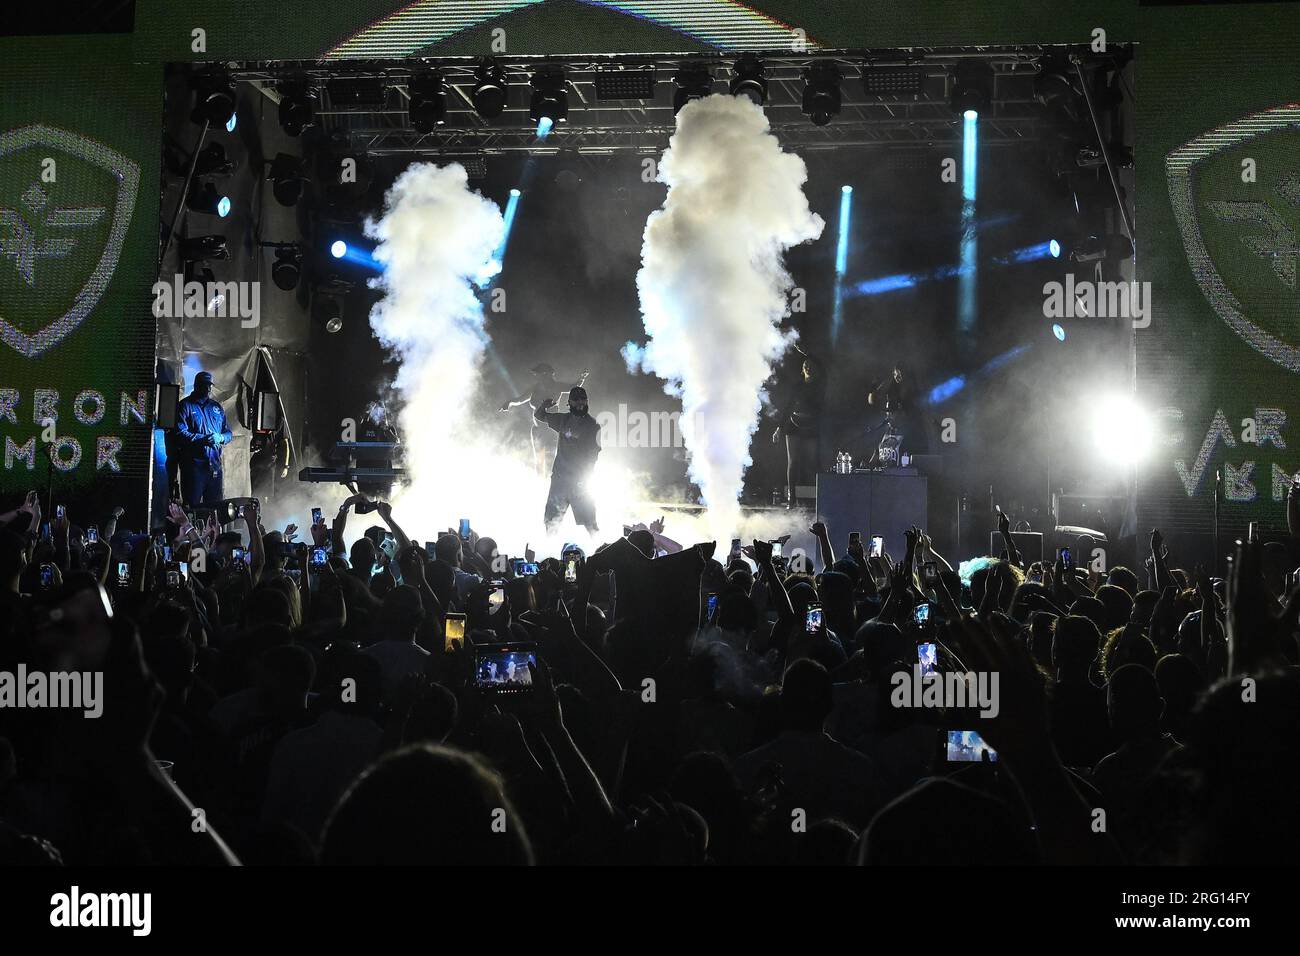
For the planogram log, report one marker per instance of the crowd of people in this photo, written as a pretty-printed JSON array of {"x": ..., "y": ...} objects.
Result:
[{"x": 272, "y": 697}]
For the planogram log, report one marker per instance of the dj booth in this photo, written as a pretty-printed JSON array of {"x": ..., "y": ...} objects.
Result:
[{"x": 885, "y": 502}]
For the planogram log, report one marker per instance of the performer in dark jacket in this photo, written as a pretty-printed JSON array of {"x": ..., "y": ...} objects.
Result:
[
  {"x": 201, "y": 430},
  {"x": 801, "y": 427},
  {"x": 544, "y": 386},
  {"x": 575, "y": 460}
]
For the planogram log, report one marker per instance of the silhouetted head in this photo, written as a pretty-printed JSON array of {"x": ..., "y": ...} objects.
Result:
[
  {"x": 943, "y": 823},
  {"x": 578, "y": 401},
  {"x": 644, "y": 541},
  {"x": 1123, "y": 577},
  {"x": 447, "y": 548},
  {"x": 1075, "y": 643},
  {"x": 362, "y": 556},
  {"x": 401, "y": 614},
  {"x": 805, "y": 696},
  {"x": 827, "y": 843},
  {"x": 203, "y": 384},
  {"x": 426, "y": 805},
  {"x": 1247, "y": 754},
  {"x": 1117, "y": 605},
  {"x": 1144, "y": 602},
  {"x": 1133, "y": 702}
]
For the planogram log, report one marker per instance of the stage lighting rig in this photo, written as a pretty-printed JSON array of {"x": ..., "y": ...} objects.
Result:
[
  {"x": 749, "y": 79},
  {"x": 885, "y": 76},
  {"x": 214, "y": 100},
  {"x": 212, "y": 161},
  {"x": 821, "y": 92},
  {"x": 550, "y": 95},
  {"x": 199, "y": 248},
  {"x": 297, "y": 107},
  {"x": 693, "y": 81},
  {"x": 287, "y": 178},
  {"x": 286, "y": 271},
  {"x": 489, "y": 95},
  {"x": 203, "y": 198},
  {"x": 972, "y": 87},
  {"x": 427, "y": 108}
]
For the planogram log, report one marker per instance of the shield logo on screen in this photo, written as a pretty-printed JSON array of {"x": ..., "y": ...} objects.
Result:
[
  {"x": 1235, "y": 192},
  {"x": 65, "y": 207}
]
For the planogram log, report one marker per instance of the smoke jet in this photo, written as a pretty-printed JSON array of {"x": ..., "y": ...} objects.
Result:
[{"x": 713, "y": 285}]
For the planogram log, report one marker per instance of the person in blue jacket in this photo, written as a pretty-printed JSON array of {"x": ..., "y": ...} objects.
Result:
[{"x": 201, "y": 431}]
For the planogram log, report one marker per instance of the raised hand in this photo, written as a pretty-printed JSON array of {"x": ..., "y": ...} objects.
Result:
[
  {"x": 707, "y": 549},
  {"x": 1157, "y": 543},
  {"x": 546, "y": 704}
]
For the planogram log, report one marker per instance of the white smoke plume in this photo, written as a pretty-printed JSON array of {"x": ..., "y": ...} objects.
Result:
[
  {"x": 713, "y": 284},
  {"x": 435, "y": 239}
]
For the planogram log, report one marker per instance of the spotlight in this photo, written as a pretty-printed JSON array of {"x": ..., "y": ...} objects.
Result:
[
  {"x": 204, "y": 198},
  {"x": 327, "y": 310},
  {"x": 1122, "y": 430},
  {"x": 214, "y": 101},
  {"x": 1054, "y": 88},
  {"x": 1059, "y": 331},
  {"x": 230, "y": 123},
  {"x": 694, "y": 82},
  {"x": 1054, "y": 248},
  {"x": 287, "y": 179},
  {"x": 1095, "y": 247},
  {"x": 749, "y": 79},
  {"x": 972, "y": 87},
  {"x": 212, "y": 161},
  {"x": 550, "y": 99},
  {"x": 297, "y": 107},
  {"x": 287, "y": 268},
  {"x": 821, "y": 92},
  {"x": 215, "y": 296},
  {"x": 338, "y": 248},
  {"x": 489, "y": 96},
  {"x": 198, "y": 248},
  {"x": 428, "y": 106}
]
